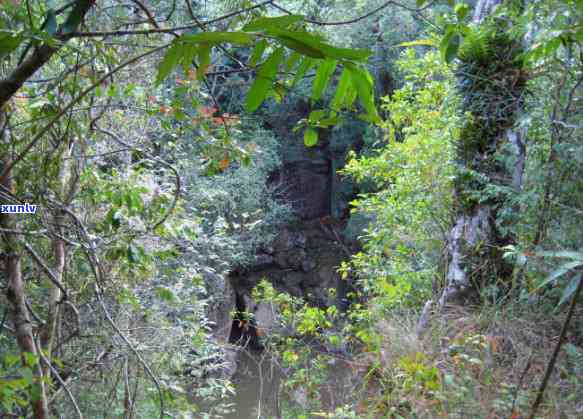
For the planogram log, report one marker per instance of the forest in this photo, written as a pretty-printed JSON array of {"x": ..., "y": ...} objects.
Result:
[{"x": 291, "y": 209}]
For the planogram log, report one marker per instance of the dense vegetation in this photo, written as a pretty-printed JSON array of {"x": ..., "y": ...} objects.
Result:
[{"x": 291, "y": 209}]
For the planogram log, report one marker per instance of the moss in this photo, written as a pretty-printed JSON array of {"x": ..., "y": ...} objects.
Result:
[{"x": 491, "y": 81}]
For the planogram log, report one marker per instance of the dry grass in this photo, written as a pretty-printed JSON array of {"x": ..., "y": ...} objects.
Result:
[{"x": 490, "y": 362}]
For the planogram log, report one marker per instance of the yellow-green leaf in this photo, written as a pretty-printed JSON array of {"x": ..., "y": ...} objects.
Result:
[{"x": 310, "y": 137}]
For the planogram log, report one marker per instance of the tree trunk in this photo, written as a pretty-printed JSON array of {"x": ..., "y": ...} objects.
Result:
[
  {"x": 474, "y": 244},
  {"x": 15, "y": 292}
]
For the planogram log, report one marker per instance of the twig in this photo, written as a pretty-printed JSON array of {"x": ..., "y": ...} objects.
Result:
[
  {"x": 63, "y": 384},
  {"x": 46, "y": 270},
  {"x": 553, "y": 359}
]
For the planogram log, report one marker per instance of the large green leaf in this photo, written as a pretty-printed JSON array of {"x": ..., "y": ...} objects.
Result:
[
  {"x": 265, "y": 23},
  {"x": 363, "y": 84},
  {"x": 204, "y": 59},
  {"x": 449, "y": 46},
  {"x": 306, "y": 64},
  {"x": 188, "y": 52},
  {"x": 239, "y": 38},
  {"x": 342, "y": 89},
  {"x": 313, "y": 46},
  {"x": 323, "y": 74},
  {"x": 170, "y": 60},
  {"x": 263, "y": 81},
  {"x": 257, "y": 52},
  {"x": 303, "y": 48}
]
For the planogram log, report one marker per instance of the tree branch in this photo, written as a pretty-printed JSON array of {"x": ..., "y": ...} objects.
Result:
[{"x": 14, "y": 81}]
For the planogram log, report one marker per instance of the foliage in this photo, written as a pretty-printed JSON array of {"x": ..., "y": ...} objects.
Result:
[{"x": 411, "y": 176}]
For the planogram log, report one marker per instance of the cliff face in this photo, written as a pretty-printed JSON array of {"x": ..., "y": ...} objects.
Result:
[{"x": 308, "y": 178}]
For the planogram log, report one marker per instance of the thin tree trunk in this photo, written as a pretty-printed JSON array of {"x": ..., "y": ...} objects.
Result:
[{"x": 15, "y": 291}]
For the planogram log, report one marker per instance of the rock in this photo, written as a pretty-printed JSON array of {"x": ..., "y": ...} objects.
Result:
[
  {"x": 308, "y": 265},
  {"x": 231, "y": 361},
  {"x": 262, "y": 261}
]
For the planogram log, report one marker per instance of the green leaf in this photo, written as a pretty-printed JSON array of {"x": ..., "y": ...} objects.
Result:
[
  {"x": 308, "y": 44},
  {"x": 239, "y": 38},
  {"x": 418, "y": 42},
  {"x": 310, "y": 137},
  {"x": 570, "y": 289},
  {"x": 265, "y": 23},
  {"x": 170, "y": 60},
  {"x": 449, "y": 46},
  {"x": 292, "y": 61},
  {"x": 165, "y": 294},
  {"x": 363, "y": 84},
  {"x": 323, "y": 74},
  {"x": 461, "y": 10},
  {"x": 257, "y": 52},
  {"x": 204, "y": 59},
  {"x": 9, "y": 41},
  {"x": 263, "y": 81},
  {"x": 316, "y": 115},
  {"x": 188, "y": 52},
  {"x": 306, "y": 64},
  {"x": 303, "y": 48},
  {"x": 27, "y": 375},
  {"x": 341, "y": 91},
  {"x": 30, "y": 359}
]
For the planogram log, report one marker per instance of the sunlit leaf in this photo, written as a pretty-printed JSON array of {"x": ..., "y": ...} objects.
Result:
[
  {"x": 323, "y": 74},
  {"x": 310, "y": 137}
]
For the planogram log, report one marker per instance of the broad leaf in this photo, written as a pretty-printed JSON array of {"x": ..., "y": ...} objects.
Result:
[
  {"x": 342, "y": 89},
  {"x": 306, "y": 64},
  {"x": 291, "y": 61},
  {"x": 308, "y": 44},
  {"x": 323, "y": 74},
  {"x": 263, "y": 81},
  {"x": 363, "y": 83},
  {"x": 204, "y": 60},
  {"x": 257, "y": 52}
]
